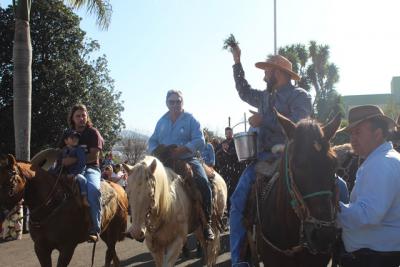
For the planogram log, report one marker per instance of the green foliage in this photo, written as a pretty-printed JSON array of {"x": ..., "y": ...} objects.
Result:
[
  {"x": 392, "y": 109},
  {"x": 230, "y": 42},
  {"x": 63, "y": 74},
  {"x": 312, "y": 64}
]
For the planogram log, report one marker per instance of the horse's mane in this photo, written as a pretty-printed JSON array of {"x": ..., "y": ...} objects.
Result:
[
  {"x": 26, "y": 170},
  {"x": 163, "y": 179}
]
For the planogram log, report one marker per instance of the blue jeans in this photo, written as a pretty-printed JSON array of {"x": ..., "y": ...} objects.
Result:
[
  {"x": 202, "y": 182},
  {"x": 93, "y": 176},
  {"x": 82, "y": 184},
  {"x": 238, "y": 204}
]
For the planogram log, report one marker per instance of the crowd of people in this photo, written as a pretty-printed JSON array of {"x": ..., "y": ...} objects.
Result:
[{"x": 369, "y": 218}]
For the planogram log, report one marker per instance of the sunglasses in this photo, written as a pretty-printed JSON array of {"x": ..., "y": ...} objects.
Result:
[{"x": 174, "y": 102}]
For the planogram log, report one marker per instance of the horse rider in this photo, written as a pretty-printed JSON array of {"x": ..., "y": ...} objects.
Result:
[
  {"x": 371, "y": 221},
  {"x": 180, "y": 128},
  {"x": 92, "y": 142},
  {"x": 293, "y": 102}
]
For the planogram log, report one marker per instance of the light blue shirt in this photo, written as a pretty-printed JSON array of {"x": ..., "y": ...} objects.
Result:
[
  {"x": 372, "y": 218},
  {"x": 208, "y": 154},
  {"x": 186, "y": 131}
]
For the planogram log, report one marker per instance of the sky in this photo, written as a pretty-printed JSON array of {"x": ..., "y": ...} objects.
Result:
[{"x": 156, "y": 45}]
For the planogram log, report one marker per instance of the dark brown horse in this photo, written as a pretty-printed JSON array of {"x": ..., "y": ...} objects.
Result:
[
  {"x": 296, "y": 209},
  {"x": 57, "y": 219}
]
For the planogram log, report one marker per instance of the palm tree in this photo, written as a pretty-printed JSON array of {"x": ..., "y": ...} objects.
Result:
[{"x": 22, "y": 58}]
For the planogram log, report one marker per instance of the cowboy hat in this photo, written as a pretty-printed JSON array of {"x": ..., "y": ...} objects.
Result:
[
  {"x": 366, "y": 112},
  {"x": 279, "y": 62}
]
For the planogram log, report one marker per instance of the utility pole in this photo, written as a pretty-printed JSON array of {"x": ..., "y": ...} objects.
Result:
[{"x": 275, "y": 48}]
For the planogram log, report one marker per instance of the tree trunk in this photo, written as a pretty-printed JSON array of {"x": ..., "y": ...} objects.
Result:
[{"x": 22, "y": 85}]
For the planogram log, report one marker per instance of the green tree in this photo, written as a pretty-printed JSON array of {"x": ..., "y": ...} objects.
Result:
[
  {"x": 22, "y": 59},
  {"x": 63, "y": 74},
  {"x": 312, "y": 63}
]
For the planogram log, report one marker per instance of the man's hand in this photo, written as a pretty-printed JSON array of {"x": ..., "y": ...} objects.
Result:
[
  {"x": 178, "y": 151},
  {"x": 236, "y": 53},
  {"x": 256, "y": 119}
]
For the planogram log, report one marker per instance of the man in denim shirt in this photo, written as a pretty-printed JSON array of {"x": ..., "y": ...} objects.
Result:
[
  {"x": 178, "y": 127},
  {"x": 291, "y": 101}
]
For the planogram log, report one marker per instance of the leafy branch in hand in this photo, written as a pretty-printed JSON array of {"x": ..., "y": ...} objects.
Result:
[{"x": 230, "y": 42}]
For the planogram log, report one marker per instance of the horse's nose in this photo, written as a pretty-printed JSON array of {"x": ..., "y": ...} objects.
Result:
[{"x": 139, "y": 236}]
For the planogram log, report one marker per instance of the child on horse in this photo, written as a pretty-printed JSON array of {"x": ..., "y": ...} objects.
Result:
[{"x": 70, "y": 148}]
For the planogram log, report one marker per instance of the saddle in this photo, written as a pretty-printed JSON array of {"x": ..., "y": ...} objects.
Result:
[
  {"x": 108, "y": 200},
  {"x": 184, "y": 170}
]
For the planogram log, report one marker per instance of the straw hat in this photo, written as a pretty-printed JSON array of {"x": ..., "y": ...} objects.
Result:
[
  {"x": 366, "y": 112},
  {"x": 279, "y": 62}
]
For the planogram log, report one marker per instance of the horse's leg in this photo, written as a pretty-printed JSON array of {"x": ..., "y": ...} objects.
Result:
[
  {"x": 111, "y": 254},
  {"x": 43, "y": 253},
  {"x": 158, "y": 257},
  {"x": 173, "y": 250},
  {"x": 66, "y": 253}
]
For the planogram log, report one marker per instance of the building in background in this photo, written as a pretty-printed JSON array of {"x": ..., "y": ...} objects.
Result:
[{"x": 385, "y": 101}]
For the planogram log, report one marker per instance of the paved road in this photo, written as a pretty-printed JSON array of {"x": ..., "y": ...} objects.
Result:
[{"x": 20, "y": 253}]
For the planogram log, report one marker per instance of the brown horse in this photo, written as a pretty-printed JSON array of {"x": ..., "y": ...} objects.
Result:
[
  {"x": 163, "y": 213},
  {"x": 296, "y": 209},
  {"x": 57, "y": 219}
]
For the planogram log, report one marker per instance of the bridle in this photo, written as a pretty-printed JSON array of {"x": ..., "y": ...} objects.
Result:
[{"x": 300, "y": 208}]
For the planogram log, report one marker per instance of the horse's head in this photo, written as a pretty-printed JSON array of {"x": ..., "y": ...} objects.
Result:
[
  {"x": 12, "y": 181},
  {"x": 309, "y": 173},
  {"x": 141, "y": 190}
]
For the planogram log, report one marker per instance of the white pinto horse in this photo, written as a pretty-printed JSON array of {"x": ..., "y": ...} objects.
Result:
[{"x": 163, "y": 213}]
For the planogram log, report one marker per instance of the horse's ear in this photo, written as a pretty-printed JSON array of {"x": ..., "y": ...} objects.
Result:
[
  {"x": 11, "y": 160},
  {"x": 153, "y": 166},
  {"x": 331, "y": 128},
  {"x": 287, "y": 125},
  {"x": 128, "y": 168}
]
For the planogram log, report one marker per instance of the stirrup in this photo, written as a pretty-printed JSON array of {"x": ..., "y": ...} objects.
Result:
[{"x": 93, "y": 238}]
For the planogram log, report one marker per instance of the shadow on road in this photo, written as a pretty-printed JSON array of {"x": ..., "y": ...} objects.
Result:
[{"x": 146, "y": 260}]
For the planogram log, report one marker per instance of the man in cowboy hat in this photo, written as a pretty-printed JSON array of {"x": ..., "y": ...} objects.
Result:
[
  {"x": 281, "y": 94},
  {"x": 371, "y": 221}
]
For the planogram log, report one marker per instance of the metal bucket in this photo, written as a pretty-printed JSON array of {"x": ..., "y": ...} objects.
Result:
[{"x": 246, "y": 145}]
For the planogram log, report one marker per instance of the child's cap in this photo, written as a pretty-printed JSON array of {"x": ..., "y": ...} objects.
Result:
[{"x": 71, "y": 133}]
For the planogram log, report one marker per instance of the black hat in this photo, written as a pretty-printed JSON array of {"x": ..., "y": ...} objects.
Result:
[{"x": 70, "y": 133}]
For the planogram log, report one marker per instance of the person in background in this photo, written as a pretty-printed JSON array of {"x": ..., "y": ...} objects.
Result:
[
  {"x": 107, "y": 173},
  {"x": 207, "y": 154},
  {"x": 118, "y": 176}
]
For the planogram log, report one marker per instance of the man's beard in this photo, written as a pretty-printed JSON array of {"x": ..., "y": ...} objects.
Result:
[{"x": 271, "y": 83}]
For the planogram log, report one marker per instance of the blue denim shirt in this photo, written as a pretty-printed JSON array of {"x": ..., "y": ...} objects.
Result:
[
  {"x": 292, "y": 102},
  {"x": 208, "y": 154},
  {"x": 372, "y": 218},
  {"x": 186, "y": 131},
  {"x": 76, "y": 152}
]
